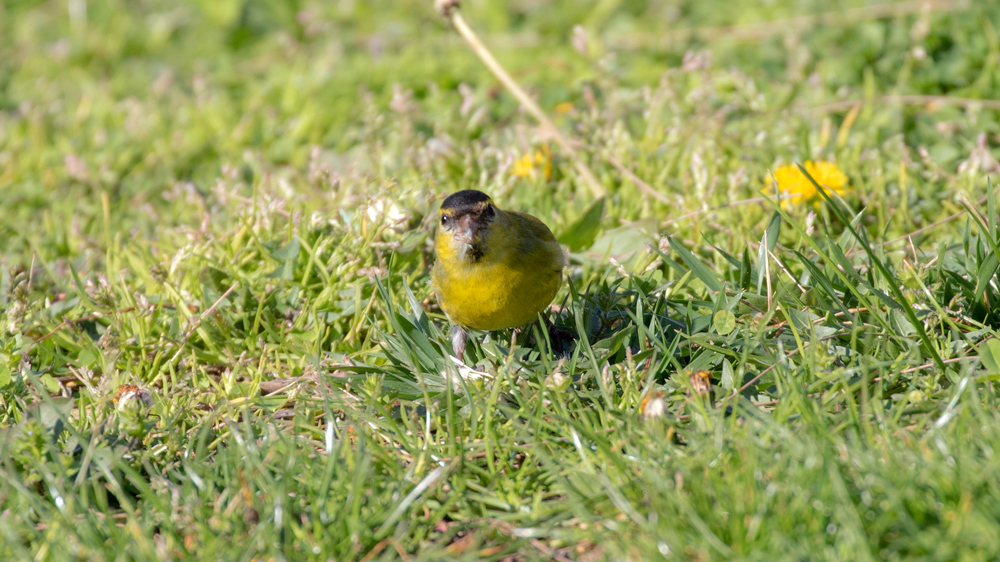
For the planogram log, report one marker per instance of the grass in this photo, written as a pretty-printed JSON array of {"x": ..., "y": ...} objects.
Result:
[{"x": 218, "y": 337}]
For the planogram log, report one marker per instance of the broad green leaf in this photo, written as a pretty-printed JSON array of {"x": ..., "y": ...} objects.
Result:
[
  {"x": 283, "y": 271},
  {"x": 51, "y": 412},
  {"x": 4, "y": 375},
  {"x": 622, "y": 241},
  {"x": 989, "y": 354},
  {"x": 288, "y": 251},
  {"x": 582, "y": 233},
  {"x": 724, "y": 322},
  {"x": 625, "y": 243},
  {"x": 728, "y": 380},
  {"x": 63, "y": 305},
  {"x": 901, "y": 323},
  {"x": 985, "y": 273},
  {"x": 806, "y": 322},
  {"x": 86, "y": 358},
  {"x": 613, "y": 343},
  {"x": 704, "y": 361}
]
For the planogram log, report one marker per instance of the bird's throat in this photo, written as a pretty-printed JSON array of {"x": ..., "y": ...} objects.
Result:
[{"x": 469, "y": 253}]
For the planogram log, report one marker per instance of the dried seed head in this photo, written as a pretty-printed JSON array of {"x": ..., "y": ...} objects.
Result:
[
  {"x": 128, "y": 392},
  {"x": 653, "y": 405},
  {"x": 445, "y": 7},
  {"x": 701, "y": 382}
]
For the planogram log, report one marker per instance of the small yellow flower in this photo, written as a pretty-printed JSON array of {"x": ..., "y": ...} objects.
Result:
[
  {"x": 525, "y": 165},
  {"x": 564, "y": 108},
  {"x": 794, "y": 186}
]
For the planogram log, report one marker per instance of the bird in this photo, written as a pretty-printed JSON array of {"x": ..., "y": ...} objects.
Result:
[{"x": 495, "y": 268}]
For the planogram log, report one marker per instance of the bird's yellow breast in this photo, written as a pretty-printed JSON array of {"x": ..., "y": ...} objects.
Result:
[{"x": 513, "y": 279}]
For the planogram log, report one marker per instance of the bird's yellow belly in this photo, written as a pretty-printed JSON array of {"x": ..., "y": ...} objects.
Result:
[{"x": 494, "y": 296}]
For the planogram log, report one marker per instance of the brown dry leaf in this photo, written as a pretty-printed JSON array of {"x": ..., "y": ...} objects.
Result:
[{"x": 460, "y": 545}]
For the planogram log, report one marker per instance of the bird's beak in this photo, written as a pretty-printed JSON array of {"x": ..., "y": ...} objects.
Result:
[{"x": 467, "y": 231}]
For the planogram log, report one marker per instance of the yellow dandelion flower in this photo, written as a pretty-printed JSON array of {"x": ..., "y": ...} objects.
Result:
[
  {"x": 794, "y": 186},
  {"x": 564, "y": 107},
  {"x": 523, "y": 166},
  {"x": 526, "y": 164}
]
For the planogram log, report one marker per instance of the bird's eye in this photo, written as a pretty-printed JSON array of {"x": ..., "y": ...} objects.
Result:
[
  {"x": 444, "y": 219},
  {"x": 488, "y": 212}
]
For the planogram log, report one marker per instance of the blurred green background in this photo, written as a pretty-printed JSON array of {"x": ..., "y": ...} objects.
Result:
[{"x": 135, "y": 98}]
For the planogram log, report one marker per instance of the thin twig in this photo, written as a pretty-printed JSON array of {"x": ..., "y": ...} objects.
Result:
[
  {"x": 645, "y": 187},
  {"x": 401, "y": 551},
  {"x": 377, "y": 549},
  {"x": 718, "y": 208},
  {"x": 784, "y": 269},
  {"x": 921, "y": 230},
  {"x": 82, "y": 380},
  {"x": 449, "y": 9},
  {"x": 929, "y": 365},
  {"x": 67, "y": 321},
  {"x": 768, "y": 370}
]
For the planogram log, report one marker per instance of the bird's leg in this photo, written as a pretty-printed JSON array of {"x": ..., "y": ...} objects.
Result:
[
  {"x": 458, "y": 338},
  {"x": 555, "y": 335}
]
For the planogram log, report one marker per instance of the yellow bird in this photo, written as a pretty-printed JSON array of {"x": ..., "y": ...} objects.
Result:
[{"x": 495, "y": 269}]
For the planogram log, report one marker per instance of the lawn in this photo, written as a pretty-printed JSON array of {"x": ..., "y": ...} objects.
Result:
[{"x": 219, "y": 340}]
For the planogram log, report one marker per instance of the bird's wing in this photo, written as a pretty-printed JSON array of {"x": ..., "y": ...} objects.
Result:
[
  {"x": 536, "y": 239},
  {"x": 531, "y": 226}
]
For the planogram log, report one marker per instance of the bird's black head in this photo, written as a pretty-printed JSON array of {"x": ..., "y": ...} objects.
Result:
[
  {"x": 466, "y": 199},
  {"x": 467, "y": 204},
  {"x": 465, "y": 218}
]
